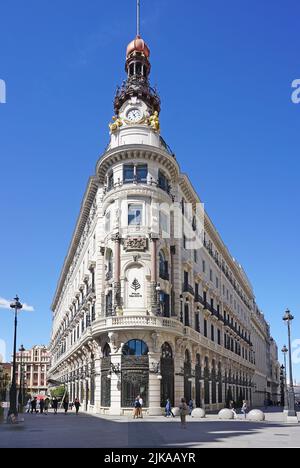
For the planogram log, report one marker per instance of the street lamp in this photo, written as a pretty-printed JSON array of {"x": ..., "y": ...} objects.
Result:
[
  {"x": 284, "y": 352},
  {"x": 21, "y": 388},
  {"x": 288, "y": 318},
  {"x": 16, "y": 305}
]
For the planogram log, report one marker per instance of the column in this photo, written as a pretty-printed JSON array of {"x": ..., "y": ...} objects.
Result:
[
  {"x": 115, "y": 408},
  {"x": 179, "y": 378},
  {"x": 154, "y": 304},
  {"x": 154, "y": 387},
  {"x": 117, "y": 271}
]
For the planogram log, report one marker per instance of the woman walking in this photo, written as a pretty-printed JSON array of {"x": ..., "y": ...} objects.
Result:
[
  {"x": 77, "y": 405},
  {"x": 184, "y": 411}
]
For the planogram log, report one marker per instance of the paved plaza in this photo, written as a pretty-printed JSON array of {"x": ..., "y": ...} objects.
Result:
[{"x": 85, "y": 431}]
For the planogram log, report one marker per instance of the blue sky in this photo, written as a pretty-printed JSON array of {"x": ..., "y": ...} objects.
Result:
[{"x": 224, "y": 71}]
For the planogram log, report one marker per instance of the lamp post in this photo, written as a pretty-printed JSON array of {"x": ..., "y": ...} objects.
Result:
[
  {"x": 16, "y": 305},
  {"x": 21, "y": 387},
  {"x": 284, "y": 352},
  {"x": 288, "y": 318}
]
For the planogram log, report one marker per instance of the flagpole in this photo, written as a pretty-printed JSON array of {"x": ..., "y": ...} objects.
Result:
[{"x": 138, "y": 16}]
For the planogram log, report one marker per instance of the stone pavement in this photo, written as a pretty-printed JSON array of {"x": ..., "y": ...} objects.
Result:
[{"x": 85, "y": 431}]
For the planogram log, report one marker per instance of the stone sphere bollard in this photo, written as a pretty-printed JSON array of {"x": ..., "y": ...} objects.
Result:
[
  {"x": 226, "y": 414},
  {"x": 198, "y": 413},
  {"x": 256, "y": 415},
  {"x": 176, "y": 411}
]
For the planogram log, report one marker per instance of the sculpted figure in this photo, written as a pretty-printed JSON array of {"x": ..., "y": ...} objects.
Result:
[
  {"x": 154, "y": 121},
  {"x": 117, "y": 123}
]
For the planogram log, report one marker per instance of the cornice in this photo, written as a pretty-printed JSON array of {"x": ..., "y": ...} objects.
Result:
[{"x": 133, "y": 152}]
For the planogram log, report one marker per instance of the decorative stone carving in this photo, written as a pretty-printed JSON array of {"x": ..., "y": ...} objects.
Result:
[
  {"x": 135, "y": 243},
  {"x": 114, "y": 341}
]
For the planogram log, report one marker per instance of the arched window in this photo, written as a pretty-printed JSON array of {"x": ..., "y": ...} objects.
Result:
[
  {"x": 166, "y": 351},
  {"x": 135, "y": 348},
  {"x": 198, "y": 377},
  {"x": 135, "y": 372},
  {"x": 106, "y": 350},
  {"x": 105, "y": 373},
  {"x": 109, "y": 264},
  {"x": 167, "y": 373},
  {"x": 163, "y": 267},
  {"x": 187, "y": 376}
]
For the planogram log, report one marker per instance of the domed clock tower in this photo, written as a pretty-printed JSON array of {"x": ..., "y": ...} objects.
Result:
[{"x": 137, "y": 105}]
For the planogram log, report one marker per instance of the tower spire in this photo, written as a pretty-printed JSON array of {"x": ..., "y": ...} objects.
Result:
[{"x": 138, "y": 18}]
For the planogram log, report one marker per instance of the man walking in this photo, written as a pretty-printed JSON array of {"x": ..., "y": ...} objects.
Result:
[
  {"x": 55, "y": 405},
  {"x": 42, "y": 405}
]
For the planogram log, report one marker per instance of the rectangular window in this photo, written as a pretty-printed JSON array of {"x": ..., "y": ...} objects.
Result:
[
  {"x": 205, "y": 328},
  {"x": 164, "y": 222},
  {"x": 212, "y": 333},
  {"x": 128, "y": 174},
  {"x": 203, "y": 266},
  {"x": 135, "y": 213},
  {"x": 211, "y": 275},
  {"x": 163, "y": 182},
  {"x": 195, "y": 256},
  {"x": 197, "y": 323},
  {"x": 110, "y": 181},
  {"x": 107, "y": 222},
  {"x": 217, "y": 282},
  {"x": 219, "y": 337},
  {"x": 142, "y": 173}
]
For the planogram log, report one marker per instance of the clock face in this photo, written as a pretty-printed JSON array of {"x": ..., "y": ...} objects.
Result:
[{"x": 134, "y": 115}]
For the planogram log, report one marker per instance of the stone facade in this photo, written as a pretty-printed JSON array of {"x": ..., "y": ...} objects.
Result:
[{"x": 144, "y": 306}]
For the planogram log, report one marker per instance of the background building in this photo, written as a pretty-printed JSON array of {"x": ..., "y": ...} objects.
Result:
[
  {"x": 34, "y": 368},
  {"x": 142, "y": 307},
  {"x": 5, "y": 373}
]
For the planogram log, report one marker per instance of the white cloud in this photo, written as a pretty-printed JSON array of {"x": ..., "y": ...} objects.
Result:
[{"x": 5, "y": 304}]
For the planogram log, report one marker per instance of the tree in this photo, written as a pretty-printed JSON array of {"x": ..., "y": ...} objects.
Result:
[{"x": 58, "y": 392}]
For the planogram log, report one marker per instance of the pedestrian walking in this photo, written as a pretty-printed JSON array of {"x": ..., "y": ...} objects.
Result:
[
  {"x": 34, "y": 405},
  {"x": 137, "y": 406},
  {"x": 183, "y": 411},
  {"x": 42, "y": 405},
  {"x": 77, "y": 405},
  {"x": 28, "y": 406},
  {"x": 66, "y": 405},
  {"x": 232, "y": 407},
  {"x": 46, "y": 406},
  {"x": 169, "y": 411},
  {"x": 191, "y": 406},
  {"x": 141, "y": 407},
  {"x": 55, "y": 404},
  {"x": 244, "y": 409}
]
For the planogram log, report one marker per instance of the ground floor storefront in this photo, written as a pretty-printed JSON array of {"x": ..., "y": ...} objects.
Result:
[{"x": 108, "y": 374}]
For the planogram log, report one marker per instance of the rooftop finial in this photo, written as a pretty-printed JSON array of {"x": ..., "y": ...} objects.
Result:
[{"x": 138, "y": 18}]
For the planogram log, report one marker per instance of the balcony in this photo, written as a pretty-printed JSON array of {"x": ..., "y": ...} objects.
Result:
[
  {"x": 164, "y": 275},
  {"x": 199, "y": 299},
  {"x": 187, "y": 288}
]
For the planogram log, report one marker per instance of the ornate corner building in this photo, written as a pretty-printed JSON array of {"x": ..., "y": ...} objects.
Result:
[{"x": 137, "y": 312}]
